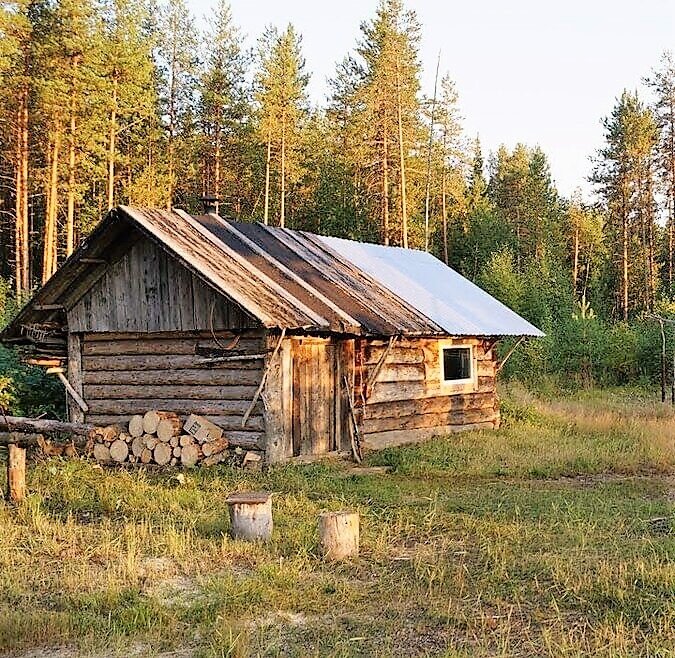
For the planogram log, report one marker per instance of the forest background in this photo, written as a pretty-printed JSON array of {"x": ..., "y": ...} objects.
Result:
[{"x": 107, "y": 102}]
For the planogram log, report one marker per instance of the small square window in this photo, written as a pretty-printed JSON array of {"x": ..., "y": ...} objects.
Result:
[{"x": 456, "y": 364}]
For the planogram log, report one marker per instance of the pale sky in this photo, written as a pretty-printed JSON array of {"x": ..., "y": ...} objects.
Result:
[{"x": 534, "y": 71}]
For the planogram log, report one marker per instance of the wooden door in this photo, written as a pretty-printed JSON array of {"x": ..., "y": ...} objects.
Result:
[{"x": 314, "y": 395}]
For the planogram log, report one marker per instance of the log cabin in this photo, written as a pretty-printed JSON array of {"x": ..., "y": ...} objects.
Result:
[{"x": 295, "y": 344}]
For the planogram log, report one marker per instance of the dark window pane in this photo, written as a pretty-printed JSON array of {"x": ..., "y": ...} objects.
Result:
[{"x": 456, "y": 363}]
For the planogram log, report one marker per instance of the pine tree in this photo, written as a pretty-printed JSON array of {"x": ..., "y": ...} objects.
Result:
[
  {"x": 624, "y": 175},
  {"x": 223, "y": 109},
  {"x": 585, "y": 240},
  {"x": 281, "y": 85},
  {"x": 134, "y": 143},
  {"x": 451, "y": 159},
  {"x": 386, "y": 112},
  {"x": 16, "y": 30},
  {"x": 662, "y": 84},
  {"x": 178, "y": 63}
]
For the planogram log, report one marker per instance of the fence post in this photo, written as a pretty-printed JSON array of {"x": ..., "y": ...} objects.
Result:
[{"x": 16, "y": 473}]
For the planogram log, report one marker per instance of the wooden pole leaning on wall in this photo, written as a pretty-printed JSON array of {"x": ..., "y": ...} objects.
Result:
[
  {"x": 339, "y": 534},
  {"x": 16, "y": 473}
]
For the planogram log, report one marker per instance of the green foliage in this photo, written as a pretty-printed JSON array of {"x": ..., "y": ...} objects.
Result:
[{"x": 26, "y": 390}]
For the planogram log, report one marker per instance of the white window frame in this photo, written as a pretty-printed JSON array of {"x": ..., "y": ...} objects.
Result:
[{"x": 464, "y": 384}]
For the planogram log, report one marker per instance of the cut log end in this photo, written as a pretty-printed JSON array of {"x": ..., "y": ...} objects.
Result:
[
  {"x": 101, "y": 453},
  {"x": 136, "y": 426},
  {"x": 162, "y": 454},
  {"x": 119, "y": 451},
  {"x": 169, "y": 427},
  {"x": 189, "y": 455}
]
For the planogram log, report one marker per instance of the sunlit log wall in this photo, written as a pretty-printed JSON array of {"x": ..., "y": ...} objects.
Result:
[{"x": 408, "y": 402}]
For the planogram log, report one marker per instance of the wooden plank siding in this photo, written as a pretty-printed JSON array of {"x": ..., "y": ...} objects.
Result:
[
  {"x": 408, "y": 402},
  {"x": 126, "y": 374},
  {"x": 148, "y": 291}
]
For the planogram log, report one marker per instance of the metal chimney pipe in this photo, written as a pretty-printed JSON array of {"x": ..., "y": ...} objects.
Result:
[{"x": 210, "y": 204}]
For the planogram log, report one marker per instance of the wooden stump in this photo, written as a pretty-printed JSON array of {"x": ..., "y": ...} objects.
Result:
[
  {"x": 16, "y": 473},
  {"x": 250, "y": 516},
  {"x": 339, "y": 534}
]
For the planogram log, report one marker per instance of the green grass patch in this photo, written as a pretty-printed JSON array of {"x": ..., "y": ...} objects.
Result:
[{"x": 531, "y": 540}]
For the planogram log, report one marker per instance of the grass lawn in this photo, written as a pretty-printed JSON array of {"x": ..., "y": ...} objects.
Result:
[{"x": 530, "y": 541}]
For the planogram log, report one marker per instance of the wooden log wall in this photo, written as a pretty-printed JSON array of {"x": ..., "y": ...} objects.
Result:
[
  {"x": 408, "y": 401},
  {"x": 130, "y": 373}
]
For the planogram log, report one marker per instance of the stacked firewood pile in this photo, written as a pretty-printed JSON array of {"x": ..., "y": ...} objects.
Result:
[{"x": 160, "y": 437}]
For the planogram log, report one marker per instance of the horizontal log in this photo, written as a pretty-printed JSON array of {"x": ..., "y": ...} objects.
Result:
[
  {"x": 417, "y": 343},
  {"x": 441, "y": 404},
  {"x": 157, "y": 362},
  {"x": 393, "y": 391},
  {"x": 217, "y": 377},
  {"x": 151, "y": 345},
  {"x": 396, "y": 355},
  {"x": 420, "y": 421},
  {"x": 201, "y": 407},
  {"x": 230, "y": 424},
  {"x": 222, "y": 335},
  {"x": 232, "y": 358},
  {"x": 379, "y": 440},
  {"x": 43, "y": 426},
  {"x": 22, "y": 439},
  {"x": 400, "y": 373},
  {"x": 168, "y": 392}
]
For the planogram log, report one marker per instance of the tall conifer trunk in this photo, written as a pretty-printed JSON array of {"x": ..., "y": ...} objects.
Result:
[
  {"x": 266, "y": 217},
  {"x": 112, "y": 134},
  {"x": 444, "y": 206},
  {"x": 282, "y": 220},
  {"x": 575, "y": 259},
  {"x": 49, "y": 257},
  {"x": 70, "y": 219},
  {"x": 21, "y": 241},
  {"x": 624, "y": 255},
  {"x": 385, "y": 187},
  {"x": 216, "y": 169},
  {"x": 401, "y": 151}
]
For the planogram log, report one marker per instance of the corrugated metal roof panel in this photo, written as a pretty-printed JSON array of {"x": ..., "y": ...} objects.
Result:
[
  {"x": 376, "y": 309},
  {"x": 437, "y": 291}
]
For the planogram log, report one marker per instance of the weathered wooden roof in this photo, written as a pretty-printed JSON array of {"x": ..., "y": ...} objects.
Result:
[{"x": 286, "y": 278}]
